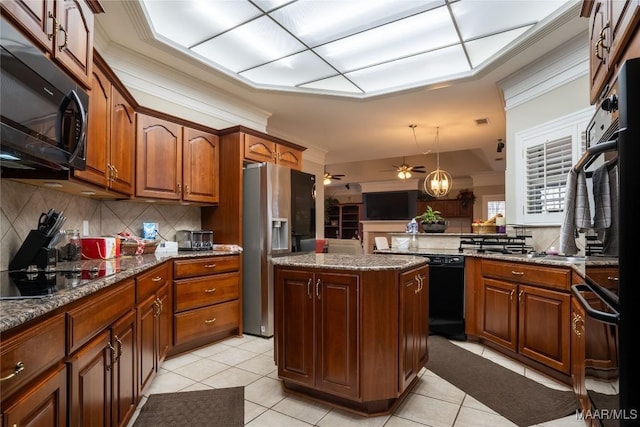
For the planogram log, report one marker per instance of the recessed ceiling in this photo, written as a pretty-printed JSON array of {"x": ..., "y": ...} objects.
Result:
[{"x": 353, "y": 48}]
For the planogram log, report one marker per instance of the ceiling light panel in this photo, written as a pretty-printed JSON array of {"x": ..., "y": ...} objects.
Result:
[
  {"x": 190, "y": 22},
  {"x": 334, "y": 84},
  {"x": 480, "y": 50},
  {"x": 414, "y": 35},
  {"x": 290, "y": 71},
  {"x": 319, "y": 22},
  {"x": 249, "y": 45},
  {"x": 408, "y": 72},
  {"x": 482, "y": 18}
]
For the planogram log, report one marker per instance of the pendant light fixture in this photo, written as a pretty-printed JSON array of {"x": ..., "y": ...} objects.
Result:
[{"x": 438, "y": 183}]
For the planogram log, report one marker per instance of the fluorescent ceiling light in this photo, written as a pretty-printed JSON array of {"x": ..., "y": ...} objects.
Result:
[{"x": 355, "y": 48}]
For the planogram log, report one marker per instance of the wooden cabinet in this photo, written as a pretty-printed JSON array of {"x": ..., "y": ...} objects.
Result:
[
  {"x": 102, "y": 355},
  {"x": 343, "y": 222},
  {"x": 175, "y": 162},
  {"x": 153, "y": 298},
  {"x": 158, "y": 158},
  {"x": 335, "y": 328},
  {"x": 414, "y": 303},
  {"x": 45, "y": 404},
  {"x": 318, "y": 344},
  {"x": 448, "y": 208},
  {"x": 613, "y": 38},
  {"x": 207, "y": 304},
  {"x": 200, "y": 159},
  {"x": 524, "y": 311},
  {"x": 33, "y": 375},
  {"x": 110, "y": 136},
  {"x": 261, "y": 149},
  {"x": 102, "y": 385},
  {"x": 63, "y": 29}
]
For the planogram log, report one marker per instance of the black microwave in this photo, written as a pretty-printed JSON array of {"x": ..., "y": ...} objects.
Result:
[{"x": 44, "y": 112}]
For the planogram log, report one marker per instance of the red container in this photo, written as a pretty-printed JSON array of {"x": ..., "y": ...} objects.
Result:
[{"x": 100, "y": 248}]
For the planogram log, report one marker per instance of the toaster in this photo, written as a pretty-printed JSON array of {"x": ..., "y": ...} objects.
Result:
[{"x": 194, "y": 240}]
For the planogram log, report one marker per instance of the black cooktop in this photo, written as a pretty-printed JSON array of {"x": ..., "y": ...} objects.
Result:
[{"x": 41, "y": 283}]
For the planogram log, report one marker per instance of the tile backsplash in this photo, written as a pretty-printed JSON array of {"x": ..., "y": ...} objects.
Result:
[{"x": 22, "y": 204}]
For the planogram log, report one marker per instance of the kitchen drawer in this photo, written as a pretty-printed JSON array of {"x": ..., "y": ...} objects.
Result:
[
  {"x": 208, "y": 321},
  {"x": 533, "y": 274},
  {"x": 149, "y": 282},
  {"x": 202, "y": 266},
  {"x": 98, "y": 313},
  {"x": 35, "y": 349},
  {"x": 206, "y": 290}
]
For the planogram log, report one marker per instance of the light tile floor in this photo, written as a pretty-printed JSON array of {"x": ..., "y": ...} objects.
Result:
[{"x": 248, "y": 361}]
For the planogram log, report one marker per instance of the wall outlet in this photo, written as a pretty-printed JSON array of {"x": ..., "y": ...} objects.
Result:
[{"x": 85, "y": 228}]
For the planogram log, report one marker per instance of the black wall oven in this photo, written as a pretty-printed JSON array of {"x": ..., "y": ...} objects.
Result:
[{"x": 612, "y": 359}]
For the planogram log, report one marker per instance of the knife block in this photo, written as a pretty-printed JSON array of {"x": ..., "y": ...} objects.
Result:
[{"x": 33, "y": 251}]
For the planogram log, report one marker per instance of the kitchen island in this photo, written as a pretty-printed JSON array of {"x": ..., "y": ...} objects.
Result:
[{"x": 351, "y": 330}]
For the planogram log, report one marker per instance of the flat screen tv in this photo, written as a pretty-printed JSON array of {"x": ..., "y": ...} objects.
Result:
[{"x": 390, "y": 205}]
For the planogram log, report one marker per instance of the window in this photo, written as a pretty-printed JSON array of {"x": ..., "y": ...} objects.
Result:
[
  {"x": 549, "y": 151},
  {"x": 495, "y": 207}
]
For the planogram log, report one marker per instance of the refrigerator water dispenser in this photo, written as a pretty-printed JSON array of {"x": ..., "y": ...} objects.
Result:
[{"x": 279, "y": 234}]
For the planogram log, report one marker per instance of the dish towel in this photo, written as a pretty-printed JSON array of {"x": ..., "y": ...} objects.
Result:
[
  {"x": 602, "y": 201},
  {"x": 577, "y": 215},
  {"x": 610, "y": 239}
]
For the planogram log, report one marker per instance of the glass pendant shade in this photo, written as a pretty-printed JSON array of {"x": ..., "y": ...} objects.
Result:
[{"x": 404, "y": 174}]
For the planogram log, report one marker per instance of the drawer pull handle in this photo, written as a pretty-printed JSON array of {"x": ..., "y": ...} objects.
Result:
[
  {"x": 19, "y": 368},
  {"x": 517, "y": 273},
  {"x": 114, "y": 356},
  {"x": 209, "y": 266},
  {"x": 156, "y": 279},
  {"x": 614, "y": 279},
  {"x": 511, "y": 294},
  {"x": 309, "y": 288},
  {"x": 210, "y": 321},
  {"x": 317, "y": 289},
  {"x": 520, "y": 295},
  {"x": 210, "y": 291}
]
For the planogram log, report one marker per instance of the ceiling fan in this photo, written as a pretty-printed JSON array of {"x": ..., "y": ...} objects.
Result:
[
  {"x": 327, "y": 177},
  {"x": 404, "y": 170}
]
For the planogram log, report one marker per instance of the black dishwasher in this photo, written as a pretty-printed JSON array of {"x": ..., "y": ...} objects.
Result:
[{"x": 446, "y": 296}]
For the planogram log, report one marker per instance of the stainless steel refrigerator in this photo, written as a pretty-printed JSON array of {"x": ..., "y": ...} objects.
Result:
[{"x": 278, "y": 214}]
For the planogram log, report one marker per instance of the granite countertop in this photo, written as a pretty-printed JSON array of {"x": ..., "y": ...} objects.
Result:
[
  {"x": 330, "y": 261},
  {"x": 15, "y": 312}
]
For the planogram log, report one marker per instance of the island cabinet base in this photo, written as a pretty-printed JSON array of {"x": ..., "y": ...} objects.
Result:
[
  {"x": 351, "y": 338},
  {"x": 373, "y": 408}
]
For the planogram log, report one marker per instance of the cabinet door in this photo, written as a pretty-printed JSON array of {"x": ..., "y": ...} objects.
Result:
[
  {"x": 164, "y": 324},
  {"x": 44, "y": 404},
  {"x": 295, "y": 290},
  {"x": 74, "y": 45},
  {"x": 158, "y": 158},
  {"x": 336, "y": 331},
  {"x": 599, "y": 41},
  {"x": 289, "y": 157},
  {"x": 499, "y": 313},
  {"x": 200, "y": 166},
  {"x": 98, "y": 132},
  {"x": 543, "y": 326},
  {"x": 90, "y": 383},
  {"x": 147, "y": 312},
  {"x": 414, "y": 326},
  {"x": 259, "y": 149},
  {"x": 122, "y": 148},
  {"x": 123, "y": 340},
  {"x": 35, "y": 16}
]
